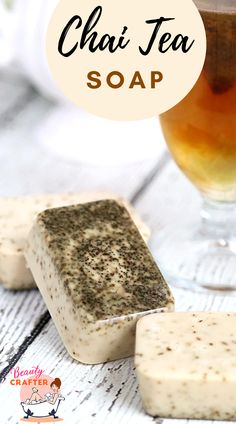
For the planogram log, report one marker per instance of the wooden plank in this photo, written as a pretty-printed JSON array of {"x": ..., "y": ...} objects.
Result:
[
  {"x": 19, "y": 313},
  {"x": 170, "y": 195},
  {"x": 27, "y": 167},
  {"x": 177, "y": 205},
  {"x": 17, "y": 310}
]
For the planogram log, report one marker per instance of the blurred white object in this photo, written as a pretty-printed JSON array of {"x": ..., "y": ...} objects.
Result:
[{"x": 23, "y": 26}]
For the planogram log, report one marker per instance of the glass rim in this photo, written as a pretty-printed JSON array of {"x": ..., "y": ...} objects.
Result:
[{"x": 219, "y": 6}]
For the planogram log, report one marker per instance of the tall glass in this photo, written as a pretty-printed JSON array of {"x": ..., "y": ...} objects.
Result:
[{"x": 201, "y": 135}]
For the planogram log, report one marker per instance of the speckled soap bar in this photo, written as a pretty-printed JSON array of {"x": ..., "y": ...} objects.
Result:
[
  {"x": 186, "y": 365},
  {"x": 97, "y": 278},
  {"x": 16, "y": 219}
]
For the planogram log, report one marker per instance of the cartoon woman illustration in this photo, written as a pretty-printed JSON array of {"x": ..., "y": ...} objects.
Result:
[
  {"x": 44, "y": 405},
  {"x": 55, "y": 386}
]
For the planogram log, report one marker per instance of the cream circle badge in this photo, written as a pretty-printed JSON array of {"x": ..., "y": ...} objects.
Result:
[{"x": 126, "y": 60}]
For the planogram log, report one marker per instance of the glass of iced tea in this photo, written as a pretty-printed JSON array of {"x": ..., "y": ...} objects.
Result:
[{"x": 201, "y": 135}]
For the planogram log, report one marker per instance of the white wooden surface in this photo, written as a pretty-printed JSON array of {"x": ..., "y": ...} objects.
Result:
[{"x": 103, "y": 394}]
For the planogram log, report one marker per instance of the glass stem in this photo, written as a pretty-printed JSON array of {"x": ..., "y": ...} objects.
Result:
[{"x": 218, "y": 219}]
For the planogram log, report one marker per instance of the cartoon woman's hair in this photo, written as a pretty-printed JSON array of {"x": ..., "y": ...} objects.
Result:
[{"x": 57, "y": 383}]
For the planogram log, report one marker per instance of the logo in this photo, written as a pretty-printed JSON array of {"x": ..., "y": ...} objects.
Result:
[
  {"x": 126, "y": 60},
  {"x": 40, "y": 394}
]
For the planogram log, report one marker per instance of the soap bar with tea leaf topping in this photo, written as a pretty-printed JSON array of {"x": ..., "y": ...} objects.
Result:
[
  {"x": 186, "y": 365},
  {"x": 16, "y": 219},
  {"x": 96, "y": 276}
]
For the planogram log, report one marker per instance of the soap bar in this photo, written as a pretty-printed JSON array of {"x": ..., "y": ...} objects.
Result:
[
  {"x": 97, "y": 277},
  {"x": 16, "y": 219},
  {"x": 186, "y": 365}
]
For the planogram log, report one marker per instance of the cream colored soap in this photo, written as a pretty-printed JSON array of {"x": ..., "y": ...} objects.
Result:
[
  {"x": 16, "y": 219},
  {"x": 186, "y": 365},
  {"x": 97, "y": 278}
]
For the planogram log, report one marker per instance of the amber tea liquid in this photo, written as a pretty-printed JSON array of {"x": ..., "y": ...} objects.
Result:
[{"x": 201, "y": 130}]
